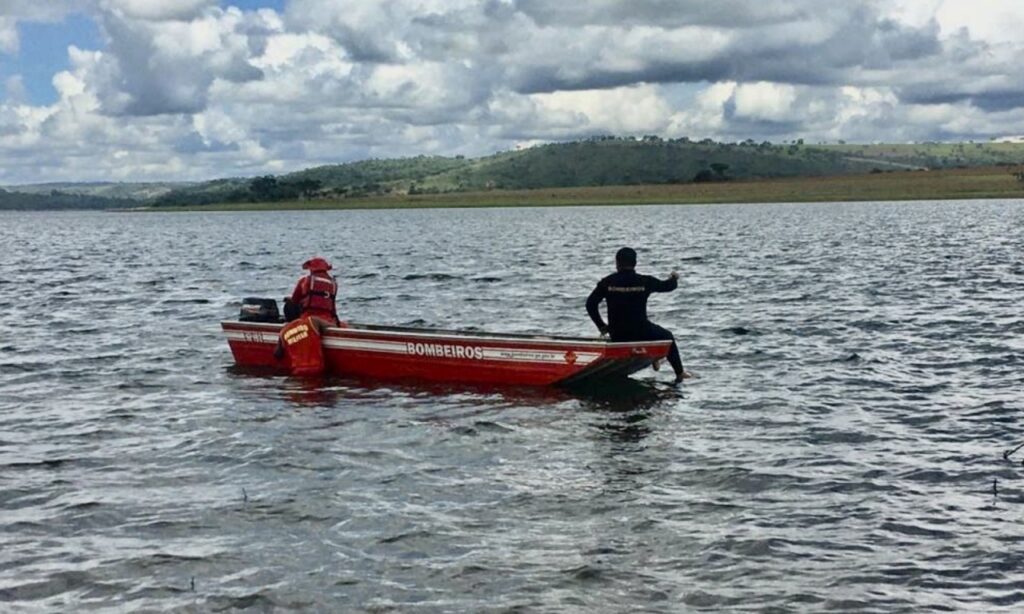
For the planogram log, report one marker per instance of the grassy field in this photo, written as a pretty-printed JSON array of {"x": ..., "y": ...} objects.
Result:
[{"x": 972, "y": 183}]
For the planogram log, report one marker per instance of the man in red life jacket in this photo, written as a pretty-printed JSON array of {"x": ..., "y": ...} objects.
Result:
[
  {"x": 316, "y": 291},
  {"x": 310, "y": 309}
]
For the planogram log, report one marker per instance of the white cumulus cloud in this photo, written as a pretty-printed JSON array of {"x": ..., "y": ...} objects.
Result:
[
  {"x": 193, "y": 89},
  {"x": 9, "y": 40},
  {"x": 157, "y": 9}
]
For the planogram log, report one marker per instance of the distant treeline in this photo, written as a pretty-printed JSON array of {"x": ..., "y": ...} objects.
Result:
[
  {"x": 599, "y": 161},
  {"x": 593, "y": 162},
  {"x": 60, "y": 200},
  {"x": 258, "y": 190}
]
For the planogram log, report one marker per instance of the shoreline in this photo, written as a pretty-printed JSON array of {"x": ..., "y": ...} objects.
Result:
[{"x": 980, "y": 183}]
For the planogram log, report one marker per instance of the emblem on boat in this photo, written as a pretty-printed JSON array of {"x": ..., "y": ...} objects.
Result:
[{"x": 570, "y": 357}]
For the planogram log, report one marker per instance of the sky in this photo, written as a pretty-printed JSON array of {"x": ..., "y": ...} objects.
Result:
[{"x": 179, "y": 90}]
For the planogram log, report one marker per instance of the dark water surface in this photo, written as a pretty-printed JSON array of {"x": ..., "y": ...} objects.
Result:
[{"x": 862, "y": 371}]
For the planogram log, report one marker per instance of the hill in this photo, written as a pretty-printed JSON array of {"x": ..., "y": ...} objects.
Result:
[
  {"x": 131, "y": 191},
  {"x": 932, "y": 155},
  {"x": 60, "y": 200},
  {"x": 601, "y": 161},
  {"x": 612, "y": 161},
  {"x": 954, "y": 183},
  {"x": 595, "y": 162},
  {"x": 98, "y": 195}
]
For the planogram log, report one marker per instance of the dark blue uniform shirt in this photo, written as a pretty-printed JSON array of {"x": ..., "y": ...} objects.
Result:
[{"x": 626, "y": 293}]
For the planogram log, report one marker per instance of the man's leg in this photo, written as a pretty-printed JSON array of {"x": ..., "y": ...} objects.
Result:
[{"x": 657, "y": 333}]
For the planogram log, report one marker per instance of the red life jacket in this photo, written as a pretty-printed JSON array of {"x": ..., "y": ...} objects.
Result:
[
  {"x": 321, "y": 290},
  {"x": 302, "y": 346}
]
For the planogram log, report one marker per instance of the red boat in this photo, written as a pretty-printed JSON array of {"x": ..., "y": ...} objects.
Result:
[{"x": 399, "y": 353}]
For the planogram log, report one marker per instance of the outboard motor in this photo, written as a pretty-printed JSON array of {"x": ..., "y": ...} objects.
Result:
[
  {"x": 259, "y": 310},
  {"x": 292, "y": 311}
]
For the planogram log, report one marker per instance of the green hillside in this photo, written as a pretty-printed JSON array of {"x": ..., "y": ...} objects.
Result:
[
  {"x": 612, "y": 161},
  {"x": 934, "y": 155},
  {"x": 132, "y": 191},
  {"x": 595, "y": 162},
  {"x": 59, "y": 200},
  {"x": 371, "y": 175},
  {"x": 601, "y": 161}
]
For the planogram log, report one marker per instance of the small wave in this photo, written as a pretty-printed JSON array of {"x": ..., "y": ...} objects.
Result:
[
  {"x": 85, "y": 505},
  {"x": 917, "y": 530},
  {"x": 162, "y": 558},
  {"x": 394, "y": 539},
  {"x": 430, "y": 277},
  {"x": 872, "y": 325},
  {"x": 53, "y": 463},
  {"x": 186, "y": 301},
  {"x": 56, "y": 584},
  {"x": 494, "y": 427},
  {"x": 1011, "y": 598},
  {"x": 254, "y": 601},
  {"x": 585, "y": 573},
  {"x": 739, "y": 330},
  {"x": 794, "y": 299}
]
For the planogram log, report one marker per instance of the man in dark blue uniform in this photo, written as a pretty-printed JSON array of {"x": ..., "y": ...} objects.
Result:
[{"x": 626, "y": 293}]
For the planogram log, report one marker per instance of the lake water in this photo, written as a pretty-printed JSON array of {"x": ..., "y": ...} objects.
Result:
[{"x": 861, "y": 373}]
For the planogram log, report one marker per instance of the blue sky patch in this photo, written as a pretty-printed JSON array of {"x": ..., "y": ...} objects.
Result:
[
  {"x": 44, "y": 49},
  {"x": 252, "y": 5},
  {"x": 44, "y": 53}
]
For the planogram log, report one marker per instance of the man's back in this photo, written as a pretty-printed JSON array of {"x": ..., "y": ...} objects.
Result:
[{"x": 626, "y": 293}]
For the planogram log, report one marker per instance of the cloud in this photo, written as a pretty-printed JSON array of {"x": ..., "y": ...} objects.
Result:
[
  {"x": 167, "y": 67},
  {"x": 14, "y": 88},
  {"x": 36, "y": 10},
  {"x": 197, "y": 88},
  {"x": 157, "y": 9},
  {"x": 571, "y": 114},
  {"x": 667, "y": 13},
  {"x": 9, "y": 40},
  {"x": 14, "y": 11}
]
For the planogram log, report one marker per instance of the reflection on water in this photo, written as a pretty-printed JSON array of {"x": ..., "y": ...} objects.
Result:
[
  {"x": 617, "y": 396},
  {"x": 842, "y": 450}
]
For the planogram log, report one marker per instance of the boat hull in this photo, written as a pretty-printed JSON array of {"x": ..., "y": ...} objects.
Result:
[{"x": 395, "y": 353}]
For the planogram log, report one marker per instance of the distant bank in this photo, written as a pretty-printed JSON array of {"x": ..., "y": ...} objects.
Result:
[
  {"x": 946, "y": 184},
  {"x": 601, "y": 170}
]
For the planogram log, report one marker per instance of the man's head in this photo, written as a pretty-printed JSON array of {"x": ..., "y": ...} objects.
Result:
[{"x": 625, "y": 259}]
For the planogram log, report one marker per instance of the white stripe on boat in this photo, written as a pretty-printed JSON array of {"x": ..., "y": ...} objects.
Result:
[
  {"x": 391, "y": 347},
  {"x": 395, "y": 347}
]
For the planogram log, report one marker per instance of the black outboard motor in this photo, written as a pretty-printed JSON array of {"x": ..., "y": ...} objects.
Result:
[
  {"x": 259, "y": 310},
  {"x": 292, "y": 311}
]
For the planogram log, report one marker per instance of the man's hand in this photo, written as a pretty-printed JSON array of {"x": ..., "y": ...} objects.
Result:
[
  {"x": 604, "y": 332},
  {"x": 674, "y": 274}
]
